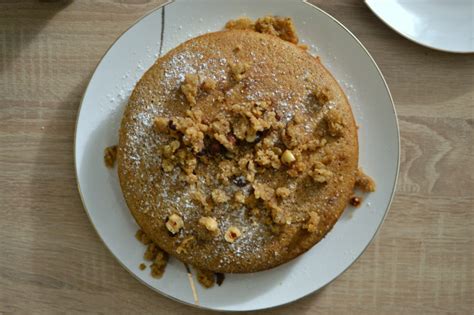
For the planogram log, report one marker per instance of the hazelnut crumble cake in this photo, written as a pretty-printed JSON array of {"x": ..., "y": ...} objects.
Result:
[{"x": 238, "y": 150}]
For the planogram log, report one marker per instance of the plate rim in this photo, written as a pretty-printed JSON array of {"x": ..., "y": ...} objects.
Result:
[
  {"x": 386, "y": 211},
  {"x": 410, "y": 38}
]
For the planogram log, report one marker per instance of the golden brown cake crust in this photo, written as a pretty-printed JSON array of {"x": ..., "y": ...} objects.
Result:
[{"x": 237, "y": 67}]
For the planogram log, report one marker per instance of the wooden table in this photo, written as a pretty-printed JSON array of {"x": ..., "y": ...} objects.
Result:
[{"x": 51, "y": 259}]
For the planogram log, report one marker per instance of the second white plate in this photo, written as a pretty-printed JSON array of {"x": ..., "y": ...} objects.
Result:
[
  {"x": 99, "y": 119},
  {"x": 437, "y": 24}
]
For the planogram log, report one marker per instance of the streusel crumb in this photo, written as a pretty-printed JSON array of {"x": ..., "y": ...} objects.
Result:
[
  {"x": 110, "y": 155},
  {"x": 206, "y": 278},
  {"x": 190, "y": 88},
  {"x": 364, "y": 182}
]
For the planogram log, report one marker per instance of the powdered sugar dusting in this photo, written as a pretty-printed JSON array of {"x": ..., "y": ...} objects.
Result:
[{"x": 159, "y": 193}]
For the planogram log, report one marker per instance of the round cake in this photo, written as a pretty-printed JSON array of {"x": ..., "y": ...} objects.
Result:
[{"x": 238, "y": 151}]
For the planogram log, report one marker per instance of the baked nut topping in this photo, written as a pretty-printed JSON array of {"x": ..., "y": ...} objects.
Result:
[
  {"x": 232, "y": 234},
  {"x": 209, "y": 223},
  {"x": 287, "y": 157},
  {"x": 246, "y": 138},
  {"x": 174, "y": 223}
]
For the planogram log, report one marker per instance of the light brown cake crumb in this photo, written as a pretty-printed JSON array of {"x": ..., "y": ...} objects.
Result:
[
  {"x": 159, "y": 264},
  {"x": 151, "y": 251},
  {"x": 238, "y": 70},
  {"x": 190, "y": 87},
  {"x": 319, "y": 173},
  {"x": 322, "y": 95},
  {"x": 335, "y": 123},
  {"x": 208, "y": 85},
  {"x": 239, "y": 197},
  {"x": 263, "y": 191},
  {"x": 209, "y": 223},
  {"x": 161, "y": 124},
  {"x": 282, "y": 27},
  {"x": 206, "y": 278},
  {"x": 110, "y": 155},
  {"x": 282, "y": 192},
  {"x": 278, "y": 215},
  {"x": 312, "y": 223},
  {"x": 364, "y": 182},
  {"x": 243, "y": 23},
  {"x": 219, "y": 196},
  {"x": 142, "y": 237}
]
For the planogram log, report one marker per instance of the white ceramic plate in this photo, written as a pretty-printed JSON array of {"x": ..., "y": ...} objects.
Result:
[
  {"x": 446, "y": 25},
  {"x": 107, "y": 94}
]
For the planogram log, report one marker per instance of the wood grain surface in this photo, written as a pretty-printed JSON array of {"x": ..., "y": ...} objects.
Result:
[{"x": 51, "y": 259}]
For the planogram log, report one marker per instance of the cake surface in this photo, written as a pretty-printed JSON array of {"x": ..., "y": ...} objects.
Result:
[{"x": 237, "y": 151}]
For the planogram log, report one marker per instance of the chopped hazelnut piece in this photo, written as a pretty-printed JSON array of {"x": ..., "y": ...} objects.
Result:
[
  {"x": 209, "y": 223},
  {"x": 174, "y": 223},
  {"x": 232, "y": 234},
  {"x": 287, "y": 157}
]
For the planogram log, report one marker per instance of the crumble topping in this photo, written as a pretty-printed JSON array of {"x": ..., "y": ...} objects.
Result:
[
  {"x": 247, "y": 142},
  {"x": 110, "y": 155},
  {"x": 364, "y": 182},
  {"x": 232, "y": 234},
  {"x": 282, "y": 27},
  {"x": 206, "y": 278},
  {"x": 190, "y": 87}
]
